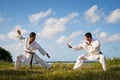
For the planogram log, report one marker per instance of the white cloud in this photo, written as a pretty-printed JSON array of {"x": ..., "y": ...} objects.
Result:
[
  {"x": 96, "y": 31},
  {"x": 13, "y": 34},
  {"x": 91, "y": 14},
  {"x": 114, "y": 38},
  {"x": 2, "y": 37},
  {"x": 15, "y": 49},
  {"x": 75, "y": 21},
  {"x": 62, "y": 39},
  {"x": 103, "y": 34},
  {"x": 55, "y": 26},
  {"x": 114, "y": 16},
  {"x": 104, "y": 37},
  {"x": 70, "y": 38},
  {"x": 34, "y": 18}
]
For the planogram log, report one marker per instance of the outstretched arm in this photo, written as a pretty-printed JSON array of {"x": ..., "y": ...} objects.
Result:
[
  {"x": 42, "y": 51},
  {"x": 75, "y": 48},
  {"x": 19, "y": 35}
]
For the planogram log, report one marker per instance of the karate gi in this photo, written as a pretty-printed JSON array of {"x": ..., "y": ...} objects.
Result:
[
  {"x": 93, "y": 52},
  {"x": 26, "y": 57}
]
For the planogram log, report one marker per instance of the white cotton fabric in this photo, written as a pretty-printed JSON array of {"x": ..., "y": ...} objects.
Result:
[
  {"x": 26, "y": 57},
  {"x": 93, "y": 52}
]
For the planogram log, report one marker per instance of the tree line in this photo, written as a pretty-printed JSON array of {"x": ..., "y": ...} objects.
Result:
[{"x": 5, "y": 55}]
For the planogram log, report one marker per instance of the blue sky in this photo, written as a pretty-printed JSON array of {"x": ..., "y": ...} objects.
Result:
[{"x": 58, "y": 22}]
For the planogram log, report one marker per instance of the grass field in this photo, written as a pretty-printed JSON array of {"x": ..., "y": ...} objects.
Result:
[{"x": 61, "y": 71}]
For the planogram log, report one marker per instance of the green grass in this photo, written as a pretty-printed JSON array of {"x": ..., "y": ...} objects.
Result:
[{"x": 61, "y": 71}]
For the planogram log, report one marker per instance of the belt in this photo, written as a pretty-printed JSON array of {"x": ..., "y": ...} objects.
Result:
[
  {"x": 29, "y": 52},
  {"x": 101, "y": 53},
  {"x": 32, "y": 53}
]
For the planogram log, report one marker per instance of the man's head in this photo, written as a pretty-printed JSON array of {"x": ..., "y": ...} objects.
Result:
[
  {"x": 88, "y": 36},
  {"x": 32, "y": 36}
]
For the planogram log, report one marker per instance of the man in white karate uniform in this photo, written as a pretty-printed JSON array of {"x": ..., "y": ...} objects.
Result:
[
  {"x": 29, "y": 55},
  {"x": 93, "y": 52}
]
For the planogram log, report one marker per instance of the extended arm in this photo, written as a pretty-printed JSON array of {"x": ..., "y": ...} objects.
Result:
[
  {"x": 75, "y": 48},
  {"x": 19, "y": 35},
  {"x": 43, "y": 52}
]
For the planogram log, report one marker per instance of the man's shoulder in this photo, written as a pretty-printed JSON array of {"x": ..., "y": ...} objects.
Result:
[
  {"x": 35, "y": 42},
  {"x": 96, "y": 41}
]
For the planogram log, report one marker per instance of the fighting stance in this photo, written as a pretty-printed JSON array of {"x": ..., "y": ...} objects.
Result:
[
  {"x": 29, "y": 55},
  {"x": 93, "y": 52}
]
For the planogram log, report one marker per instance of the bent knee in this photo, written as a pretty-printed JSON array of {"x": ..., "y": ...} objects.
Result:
[
  {"x": 81, "y": 57},
  {"x": 18, "y": 57}
]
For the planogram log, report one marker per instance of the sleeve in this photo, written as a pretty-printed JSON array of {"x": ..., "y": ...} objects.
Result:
[
  {"x": 41, "y": 50},
  {"x": 78, "y": 47},
  {"x": 20, "y": 37},
  {"x": 96, "y": 44}
]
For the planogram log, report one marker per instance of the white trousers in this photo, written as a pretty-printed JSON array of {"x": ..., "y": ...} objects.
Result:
[
  {"x": 82, "y": 58},
  {"x": 26, "y": 57}
]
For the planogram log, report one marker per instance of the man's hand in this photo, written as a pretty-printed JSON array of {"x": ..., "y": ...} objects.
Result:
[
  {"x": 88, "y": 43},
  {"x": 47, "y": 55},
  {"x": 19, "y": 32},
  {"x": 69, "y": 46}
]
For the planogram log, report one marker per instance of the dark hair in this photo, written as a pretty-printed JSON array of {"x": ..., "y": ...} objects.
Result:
[
  {"x": 88, "y": 34},
  {"x": 32, "y": 34}
]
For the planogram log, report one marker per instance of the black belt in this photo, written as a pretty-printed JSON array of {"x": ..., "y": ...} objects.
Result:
[
  {"x": 101, "y": 53},
  {"x": 32, "y": 53},
  {"x": 29, "y": 52}
]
